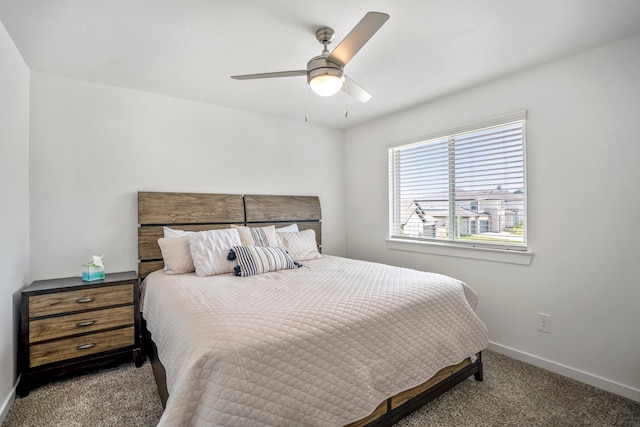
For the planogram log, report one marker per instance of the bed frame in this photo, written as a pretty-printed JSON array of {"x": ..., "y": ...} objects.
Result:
[{"x": 197, "y": 211}]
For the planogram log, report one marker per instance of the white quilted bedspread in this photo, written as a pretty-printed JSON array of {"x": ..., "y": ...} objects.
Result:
[{"x": 322, "y": 345}]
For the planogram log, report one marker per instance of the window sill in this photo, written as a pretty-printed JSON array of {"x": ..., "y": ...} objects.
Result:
[{"x": 495, "y": 255}]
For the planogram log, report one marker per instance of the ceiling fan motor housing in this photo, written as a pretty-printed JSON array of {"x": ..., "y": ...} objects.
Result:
[{"x": 320, "y": 65}]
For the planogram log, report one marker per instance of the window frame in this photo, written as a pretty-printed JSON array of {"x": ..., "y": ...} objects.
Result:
[{"x": 445, "y": 246}]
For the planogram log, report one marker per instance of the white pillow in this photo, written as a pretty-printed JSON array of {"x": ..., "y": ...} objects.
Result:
[
  {"x": 301, "y": 245},
  {"x": 254, "y": 260},
  {"x": 174, "y": 232},
  {"x": 176, "y": 255},
  {"x": 257, "y": 236},
  {"x": 210, "y": 249},
  {"x": 288, "y": 229}
]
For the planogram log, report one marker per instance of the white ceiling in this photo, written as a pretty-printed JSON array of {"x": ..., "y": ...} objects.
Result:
[{"x": 189, "y": 48}]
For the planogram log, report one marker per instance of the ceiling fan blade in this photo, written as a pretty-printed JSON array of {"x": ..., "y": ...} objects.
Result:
[
  {"x": 271, "y": 75},
  {"x": 358, "y": 37},
  {"x": 353, "y": 89}
]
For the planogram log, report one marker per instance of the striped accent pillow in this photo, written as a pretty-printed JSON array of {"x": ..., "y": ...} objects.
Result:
[
  {"x": 254, "y": 260},
  {"x": 257, "y": 236}
]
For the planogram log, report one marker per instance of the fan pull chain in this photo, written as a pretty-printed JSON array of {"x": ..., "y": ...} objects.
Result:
[
  {"x": 346, "y": 101},
  {"x": 306, "y": 114}
]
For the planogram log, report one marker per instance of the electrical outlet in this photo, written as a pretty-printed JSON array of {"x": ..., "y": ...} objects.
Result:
[{"x": 544, "y": 322}]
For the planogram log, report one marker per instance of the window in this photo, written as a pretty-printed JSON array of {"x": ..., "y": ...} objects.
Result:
[{"x": 463, "y": 187}]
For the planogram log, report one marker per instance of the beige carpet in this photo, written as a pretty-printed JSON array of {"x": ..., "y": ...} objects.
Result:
[{"x": 512, "y": 394}]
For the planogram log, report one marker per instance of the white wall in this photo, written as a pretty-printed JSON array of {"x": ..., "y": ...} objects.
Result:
[
  {"x": 583, "y": 149},
  {"x": 94, "y": 146},
  {"x": 14, "y": 206}
]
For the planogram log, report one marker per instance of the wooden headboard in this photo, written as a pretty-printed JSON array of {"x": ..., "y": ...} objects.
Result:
[{"x": 199, "y": 211}]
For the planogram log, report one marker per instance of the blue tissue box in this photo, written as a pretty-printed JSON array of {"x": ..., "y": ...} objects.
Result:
[{"x": 91, "y": 272}]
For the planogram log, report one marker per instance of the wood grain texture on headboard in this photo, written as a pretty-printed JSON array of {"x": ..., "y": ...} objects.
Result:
[
  {"x": 201, "y": 211},
  {"x": 189, "y": 208},
  {"x": 282, "y": 208}
]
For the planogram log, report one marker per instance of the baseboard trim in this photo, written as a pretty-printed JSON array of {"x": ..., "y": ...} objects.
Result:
[
  {"x": 567, "y": 371},
  {"x": 8, "y": 402}
]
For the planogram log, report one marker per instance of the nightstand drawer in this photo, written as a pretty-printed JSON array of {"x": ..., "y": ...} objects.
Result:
[
  {"x": 55, "y": 351},
  {"x": 83, "y": 299},
  {"x": 63, "y": 326}
]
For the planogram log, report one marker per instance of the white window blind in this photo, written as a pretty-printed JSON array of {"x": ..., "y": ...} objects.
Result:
[{"x": 463, "y": 187}]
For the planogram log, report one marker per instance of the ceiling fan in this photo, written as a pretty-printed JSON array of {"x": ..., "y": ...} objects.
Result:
[{"x": 325, "y": 73}]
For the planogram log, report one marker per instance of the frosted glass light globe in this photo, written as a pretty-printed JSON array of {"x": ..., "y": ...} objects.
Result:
[{"x": 326, "y": 84}]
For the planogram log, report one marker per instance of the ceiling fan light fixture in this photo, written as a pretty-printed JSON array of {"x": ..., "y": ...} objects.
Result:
[
  {"x": 326, "y": 84},
  {"x": 324, "y": 77},
  {"x": 325, "y": 73}
]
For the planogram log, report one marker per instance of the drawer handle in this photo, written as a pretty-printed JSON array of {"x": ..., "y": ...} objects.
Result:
[
  {"x": 85, "y": 346},
  {"x": 87, "y": 323},
  {"x": 84, "y": 300}
]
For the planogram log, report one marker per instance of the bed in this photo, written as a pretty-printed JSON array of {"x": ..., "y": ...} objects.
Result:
[{"x": 327, "y": 341}]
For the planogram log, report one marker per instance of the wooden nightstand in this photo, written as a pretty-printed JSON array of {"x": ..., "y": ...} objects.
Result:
[{"x": 69, "y": 325}]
